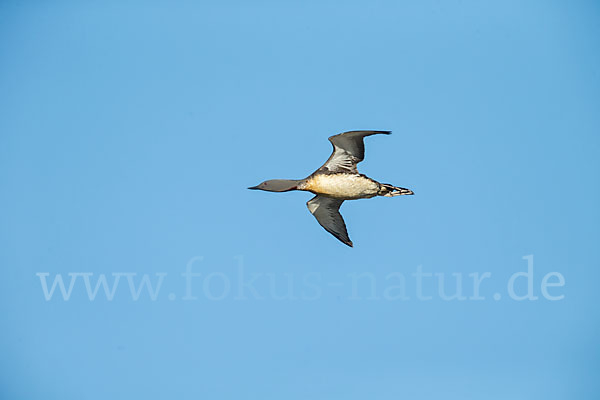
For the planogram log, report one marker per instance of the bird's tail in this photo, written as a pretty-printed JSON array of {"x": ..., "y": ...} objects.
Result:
[{"x": 391, "y": 191}]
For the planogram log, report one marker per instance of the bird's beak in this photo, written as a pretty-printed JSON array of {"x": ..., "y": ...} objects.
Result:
[{"x": 253, "y": 188}]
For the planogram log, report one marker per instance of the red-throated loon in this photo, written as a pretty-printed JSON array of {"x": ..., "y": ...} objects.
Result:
[{"x": 337, "y": 180}]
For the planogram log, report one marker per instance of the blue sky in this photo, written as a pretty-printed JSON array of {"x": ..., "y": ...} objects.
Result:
[{"x": 129, "y": 133}]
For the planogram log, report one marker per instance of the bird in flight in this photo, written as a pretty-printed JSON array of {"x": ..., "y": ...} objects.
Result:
[{"x": 337, "y": 180}]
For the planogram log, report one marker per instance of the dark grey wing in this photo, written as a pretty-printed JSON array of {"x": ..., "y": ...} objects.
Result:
[
  {"x": 348, "y": 150},
  {"x": 326, "y": 211}
]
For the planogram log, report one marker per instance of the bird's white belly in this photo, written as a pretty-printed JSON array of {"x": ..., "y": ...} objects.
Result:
[{"x": 343, "y": 186}]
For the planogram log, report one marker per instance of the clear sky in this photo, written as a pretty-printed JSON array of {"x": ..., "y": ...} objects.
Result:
[{"x": 129, "y": 132}]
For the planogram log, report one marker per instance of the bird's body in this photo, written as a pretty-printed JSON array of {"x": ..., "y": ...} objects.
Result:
[
  {"x": 345, "y": 186},
  {"x": 336, "y": 181}
]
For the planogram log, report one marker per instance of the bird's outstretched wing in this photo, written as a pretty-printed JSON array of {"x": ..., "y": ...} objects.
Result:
[
  {"x": 348, "y": 150},
  {"x": 326, "y": 211}
]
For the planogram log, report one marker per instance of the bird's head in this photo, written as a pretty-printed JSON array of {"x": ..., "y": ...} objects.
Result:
[{"x": 276, "y": 185}]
